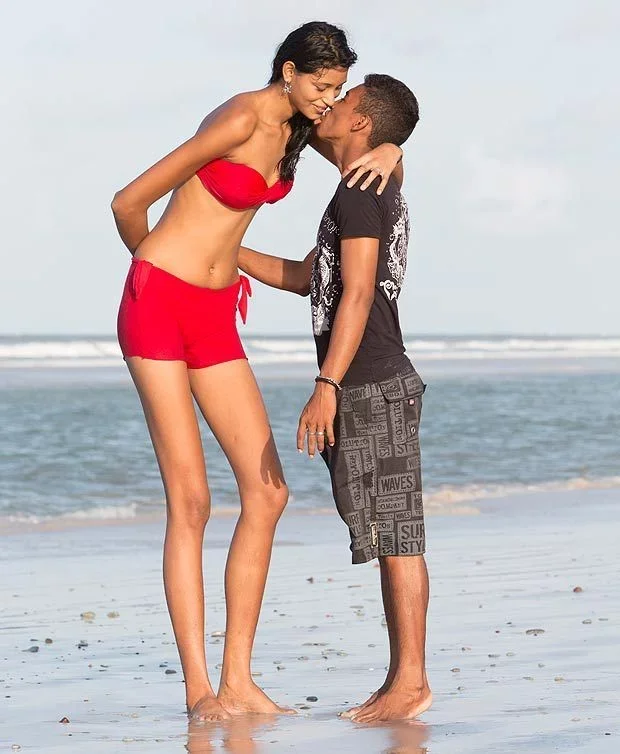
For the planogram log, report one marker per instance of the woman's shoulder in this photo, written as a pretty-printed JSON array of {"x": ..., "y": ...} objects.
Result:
[{"x": 240, "y": 112}]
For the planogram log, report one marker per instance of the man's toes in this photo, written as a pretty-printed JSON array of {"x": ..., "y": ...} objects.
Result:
[
  {"x": 356, "y": 716},
  {"x": 350, "y": 713},
  {"x": 368, "y": 714}
]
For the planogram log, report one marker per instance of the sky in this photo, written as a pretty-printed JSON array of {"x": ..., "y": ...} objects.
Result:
[{"x": 511, "y": 175}]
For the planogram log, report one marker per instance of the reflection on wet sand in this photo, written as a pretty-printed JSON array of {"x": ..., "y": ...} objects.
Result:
[
  {"x": 237, "y": 736},
  {"x": 408, "y": 737}
]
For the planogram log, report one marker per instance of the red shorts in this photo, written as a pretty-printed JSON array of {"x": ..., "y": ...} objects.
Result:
[{"x": 162, "y": 317}]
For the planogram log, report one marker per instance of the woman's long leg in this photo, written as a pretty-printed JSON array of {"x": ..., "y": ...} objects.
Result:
[
  {"x": 231, "y": 402},
  {"x": 164, "y": 390}
]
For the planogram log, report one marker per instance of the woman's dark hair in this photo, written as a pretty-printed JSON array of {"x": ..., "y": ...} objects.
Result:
[{"x": 313, "y": 47}]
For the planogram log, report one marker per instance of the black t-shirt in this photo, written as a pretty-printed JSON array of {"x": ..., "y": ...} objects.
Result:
[{"x": 353, "y": 213}]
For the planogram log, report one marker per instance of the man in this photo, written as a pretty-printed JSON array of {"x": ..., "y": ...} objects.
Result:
[{"x": 365, "y": 410}]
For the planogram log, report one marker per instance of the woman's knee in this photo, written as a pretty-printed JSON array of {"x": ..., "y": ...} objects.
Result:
[
  {"x": 189, "y": 506},
  {"x": 280, "y": 498},
  {"x": 266, "y": 503}
]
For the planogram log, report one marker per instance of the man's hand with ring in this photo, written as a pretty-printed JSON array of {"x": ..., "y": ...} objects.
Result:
[{"x": 317, "y": 420}]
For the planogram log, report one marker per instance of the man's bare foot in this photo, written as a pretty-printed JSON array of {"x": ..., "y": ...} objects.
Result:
[
  {"x": 207, "y": 709},
  {"x": 349, "y": 713},
  {"x": 397, "y": 703},
  {"x": 249, "y": 699}
]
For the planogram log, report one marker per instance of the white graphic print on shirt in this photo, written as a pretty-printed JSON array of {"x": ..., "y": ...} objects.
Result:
[
  {"x": 326, "y": 281},
  {"x": 397, "y": 250}
]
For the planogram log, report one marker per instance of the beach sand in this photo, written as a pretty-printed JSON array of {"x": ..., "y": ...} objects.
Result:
[{"x": 518, "y": 660}]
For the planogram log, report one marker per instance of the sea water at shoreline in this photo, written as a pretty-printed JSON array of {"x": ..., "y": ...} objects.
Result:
[{"x": 502, "y": 415}]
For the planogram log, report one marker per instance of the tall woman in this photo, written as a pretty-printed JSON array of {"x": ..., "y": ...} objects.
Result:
[{"x": 177, "y": 330}]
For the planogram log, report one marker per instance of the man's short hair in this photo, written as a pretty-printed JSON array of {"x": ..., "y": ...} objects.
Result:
[{"x": 392, "y": 108}]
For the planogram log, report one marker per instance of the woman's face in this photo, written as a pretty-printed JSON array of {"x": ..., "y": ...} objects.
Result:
[{"x": 313, "y": 93}]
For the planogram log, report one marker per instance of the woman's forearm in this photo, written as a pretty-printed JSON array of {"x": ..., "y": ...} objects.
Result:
[
  {"x": 132, "y": 224},
  {"x": 399, "y": 174},
  {"x": 284, "y": 274}
]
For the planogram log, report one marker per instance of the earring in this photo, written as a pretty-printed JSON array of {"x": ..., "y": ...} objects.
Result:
[{"x": 287, "y": 88}]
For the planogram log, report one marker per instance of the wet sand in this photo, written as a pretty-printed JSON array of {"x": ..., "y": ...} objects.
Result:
[{"x": 518, "y": 660}]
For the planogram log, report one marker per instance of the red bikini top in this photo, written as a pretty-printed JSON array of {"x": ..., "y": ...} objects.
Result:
[{"x": 239, "y": 186}]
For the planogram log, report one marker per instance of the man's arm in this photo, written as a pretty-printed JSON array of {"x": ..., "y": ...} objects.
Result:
[
  {"x": 358, "y": 269},
  {"x": 285, "y": 274}
]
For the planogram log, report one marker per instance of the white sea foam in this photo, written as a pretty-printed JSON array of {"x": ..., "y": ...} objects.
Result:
[
  {"x": 59, "y": 349},
  {"x": 450, "y": 495},
  {"x": 12, "y": 348},
  {"x": 104, "y": 512},
  {"x": 38, "y": 349},
  {"x": 514, "y": 348},
  {"x": 85, "y": 352},
  {"x": 445, "y": 498},
  {"x": 97, "y": 513},
  {"x": 294, "y": 345}
]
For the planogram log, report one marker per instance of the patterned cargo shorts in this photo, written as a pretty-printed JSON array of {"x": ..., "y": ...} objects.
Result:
[{"x": 375, "y": 463}]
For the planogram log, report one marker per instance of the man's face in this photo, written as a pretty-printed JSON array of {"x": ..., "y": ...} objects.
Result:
[{"x": 337, "y": 123}]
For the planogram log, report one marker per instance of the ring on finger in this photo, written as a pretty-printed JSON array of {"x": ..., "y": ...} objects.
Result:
[{"x": 320, "y": 434}]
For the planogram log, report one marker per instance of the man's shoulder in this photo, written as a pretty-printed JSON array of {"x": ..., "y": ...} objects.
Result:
[{"x": 355, "y": 196}]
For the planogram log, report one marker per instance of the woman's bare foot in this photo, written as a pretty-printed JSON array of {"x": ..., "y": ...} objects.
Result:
[
  {"x": 249, "y": 699},
  {"x": 398, "y": 703},
  {"x": 207, "y": 709}
]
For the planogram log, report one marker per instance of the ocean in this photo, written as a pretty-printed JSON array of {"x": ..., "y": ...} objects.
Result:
[{"x": 502, "y": 416}]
